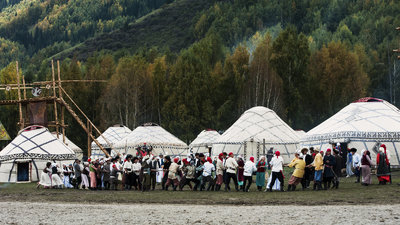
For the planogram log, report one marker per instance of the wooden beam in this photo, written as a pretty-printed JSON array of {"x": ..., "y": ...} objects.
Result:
[
  {"x": 89, "y": 127},
  {"x": 23, "y": 81},
  {"x": 55, "y": 96},
  {"x": 84, "y": 126},
  {"x": 19, "y": 99},
  {"x": 60, "y": 95},
  {"x": 49, "y": 100},
  {"x": 50, "y": 82}
]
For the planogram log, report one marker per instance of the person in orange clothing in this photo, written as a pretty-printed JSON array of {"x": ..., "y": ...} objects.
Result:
[
  {"x": 318, "y": 164},
  {"x": 298, "y": 173}
]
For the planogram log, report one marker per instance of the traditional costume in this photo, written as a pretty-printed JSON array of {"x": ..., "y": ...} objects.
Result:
[
  {"x": 318, "y": 165},
  {"x": 240, "y": 163},
  {"x": 298, "y": 173},
  {"x": 136, "y": 167},
  {"x": 172, "y": 175},
  {"x": 154, "y": 168},
  {"x": 260, "y": 176},
  {"x": 220, "y": 171},
  {"x": 146, "y": 173},
  {"x": 85, "y": 174},
  {"x": 128, "y": 172},
  {"x": 190, "y": 171},
  {"x": 249, "y": 168},
  {"x": 66, "y": 177},
  {"x": 114, "y": 181},
  {"x": 356, "y": 164},
  {"x": 307, "y": 178},
  {"x": 383, "y": 171},
  {"x": 329, "y": 163},
  {"x": 106, "y": 176},
  {"x": 387, "y": 152},
  {"x": 167, "y": 164},
  {"x": 92, "y": 175},
  {"x": 349, "y": 164},
  {"x": 337, "y": 168},
  {"x": 45, "y": 177},
  {"x": 276, "y": 169},
  {"x": 366, "y": 164},
  {"x": 199, "y": 170},
  {"x": 231, "y": 166},
  {"x": 55, "y": 176},
  {"x": 207, "y": 174}
]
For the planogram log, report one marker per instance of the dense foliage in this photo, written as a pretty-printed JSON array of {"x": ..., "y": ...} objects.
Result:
[{"x": 192, "y": 65}]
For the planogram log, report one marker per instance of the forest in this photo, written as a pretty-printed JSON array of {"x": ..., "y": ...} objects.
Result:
[{"x": 192, "y": 65}]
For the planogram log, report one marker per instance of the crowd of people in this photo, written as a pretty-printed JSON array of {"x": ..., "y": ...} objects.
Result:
[{"x": 201, "y": 173}]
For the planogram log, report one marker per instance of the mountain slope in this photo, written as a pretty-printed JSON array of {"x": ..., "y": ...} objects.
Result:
[{"x": 167, "y": 26}]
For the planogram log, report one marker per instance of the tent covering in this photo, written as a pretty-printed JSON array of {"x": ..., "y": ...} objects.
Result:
[
  {"x": 364, "y": 124},
  {"x": 113, "y": 135},
  {"x": 155, "y": 136},
  {"x": 36, "y": 142},
  {"x": 246, "y": 135},
  {"x": 204, "y": 140},
  {"x": 78, "y": 151},
  {"x": 25, "y": 157}
]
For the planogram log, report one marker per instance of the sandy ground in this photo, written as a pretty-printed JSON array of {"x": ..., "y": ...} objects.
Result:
[{"x": 57, "y": 213}]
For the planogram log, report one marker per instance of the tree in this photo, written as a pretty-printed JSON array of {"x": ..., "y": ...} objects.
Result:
[
  {"x": 337, "y": 78},
  {"x": 290, "y": 55}
]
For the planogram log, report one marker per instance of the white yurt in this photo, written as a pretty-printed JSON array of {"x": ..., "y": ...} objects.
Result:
[
  {"x": 301, "y": 133},
  {"x": 26, "y": 156},
  {"x": 78, "y": 151},
  {"x": 155, "y": 137},
  {"x": 245, "y": 137},
  {"x": 204, "y": 141},
  {"x": 364, "y": 124},
  {"x": 113, "y": 135}
]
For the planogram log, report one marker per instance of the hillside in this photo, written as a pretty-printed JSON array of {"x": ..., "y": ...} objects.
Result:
[
  {"x": 168, "y": 26},
  {"x": 192, "y": 65}
]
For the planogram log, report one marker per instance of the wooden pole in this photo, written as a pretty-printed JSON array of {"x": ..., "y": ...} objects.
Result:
[
  {"x": 89, "y": 127},
  {"x": 62, "y": 107},
  {"x": 84, "y": 126},
  {"x": 19, "y": 99},
  {"x": 55, "y": 95},
  {"x": 23, "y": 82},
  {"x": 263, "y": 146}
]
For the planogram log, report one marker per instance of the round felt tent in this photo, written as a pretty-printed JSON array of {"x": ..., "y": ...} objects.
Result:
[
  {"x": 113, "y": 135},
  {"x": 204, "y": 141},
  {"x": 78, "y": 151},
  {"x": 160, "y": 140},
  {"x": 364, "y": 124},
  {"x": 246, "y": 135},
  {"x": 25, "y": 157}
]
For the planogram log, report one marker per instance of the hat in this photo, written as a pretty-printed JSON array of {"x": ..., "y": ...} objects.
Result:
[
  {"x": 203, "y": 160},
  {"x": 328, "y": 150},
  {"x": 336, "y": 150},
  {"x": 301, "y": 156},
  {"x": 85, "y": 163},
  {"x": 89, "y": 160},
  {"x": 321, "y": 152},
  {"x": 277, "y": 153},
  {"x": 314, "y": 154},
  {"x": 114, "y": 166},
  {"x": 209, "y": 160},
  {"x": 252, "y": 159},
  {"x": 230, "y": 153},
  {"x": 185, "y": 161},
  {"x": 381, "y": 149},
  {"x": 383, "y": 146},
  {"x": 353, "y": 150},
  {"x": 201, "y": 155},
  {"x": 129, "y": 156},
  {"x": 176, "y": 160}
]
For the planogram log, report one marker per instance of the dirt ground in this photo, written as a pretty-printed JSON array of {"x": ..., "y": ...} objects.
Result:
[{"x": 79, "y": 213}]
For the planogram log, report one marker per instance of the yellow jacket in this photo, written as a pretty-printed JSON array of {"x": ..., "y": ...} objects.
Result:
[
  {"x": 300, "y": 165},
  {"x": 318, "y": 162},
  {"x": 295, "y": 158}
]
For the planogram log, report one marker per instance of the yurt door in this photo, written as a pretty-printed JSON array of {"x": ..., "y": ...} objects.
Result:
[{"x": 23, "y": 171}]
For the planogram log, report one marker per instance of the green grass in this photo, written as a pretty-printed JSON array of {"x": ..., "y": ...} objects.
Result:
[{"x": 349, "y": 193}]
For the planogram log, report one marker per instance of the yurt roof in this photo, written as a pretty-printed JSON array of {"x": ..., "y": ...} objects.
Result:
[
  {"x": 259, "y": 123},
  {"x": 113, "y": 135},
  {"x": 301, "y": 133},
  {"x": 36, "y": 142},
  {"x": 205, "y": 138},
  {"x": 367, "y": 118},
  {"x": 68, "y": 142},
  {"x": 151, "y": 134}
]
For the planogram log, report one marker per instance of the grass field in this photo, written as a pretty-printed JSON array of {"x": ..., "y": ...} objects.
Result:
[{"x": 349, "y": 193}]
